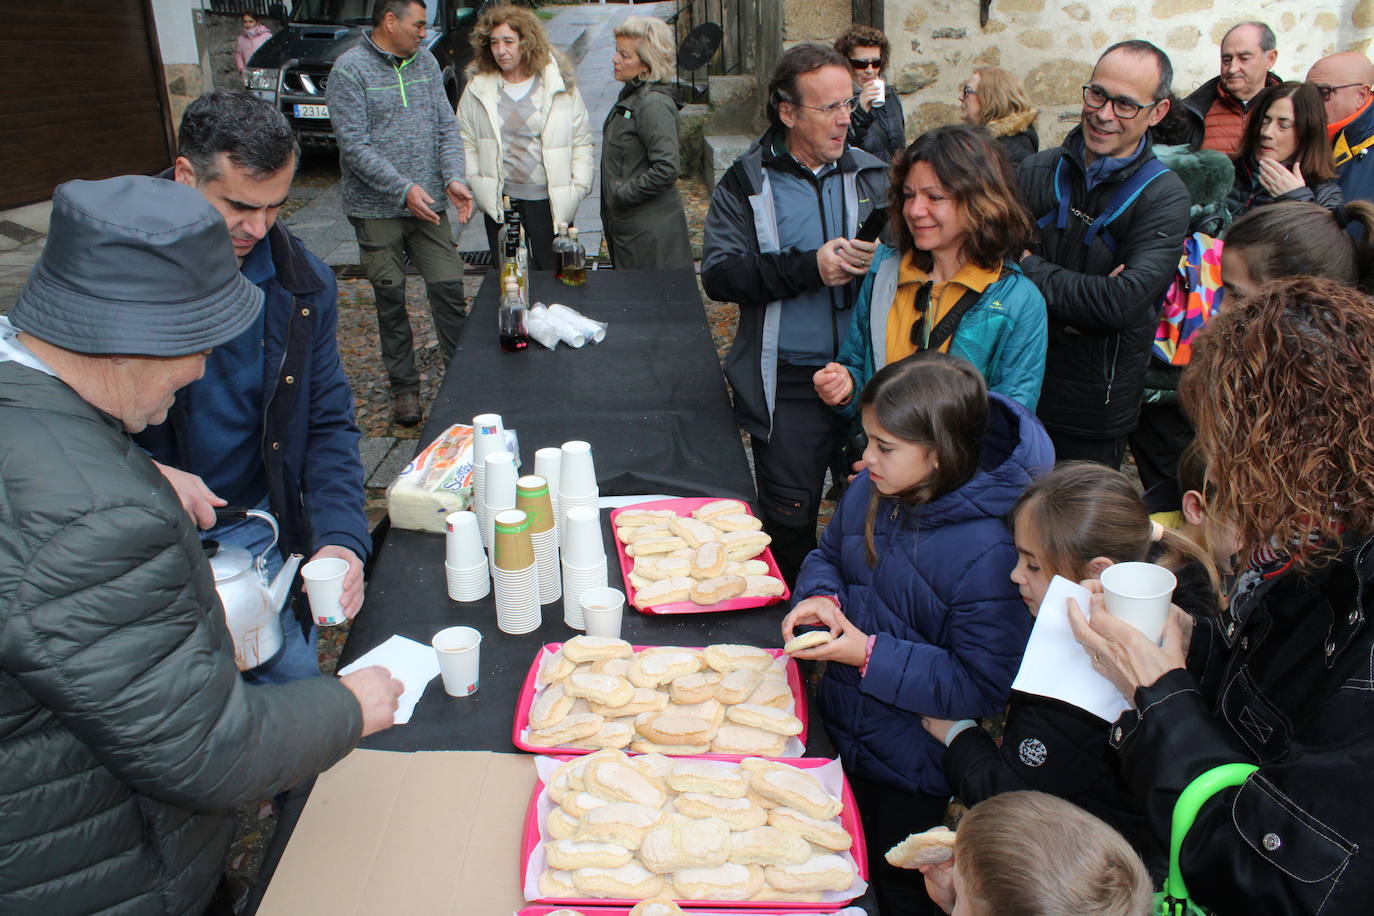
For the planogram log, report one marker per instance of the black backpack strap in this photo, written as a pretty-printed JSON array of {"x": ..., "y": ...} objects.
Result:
[
  {"x": 1121, "y": 201},
  {"x": 947, "y": 325}
]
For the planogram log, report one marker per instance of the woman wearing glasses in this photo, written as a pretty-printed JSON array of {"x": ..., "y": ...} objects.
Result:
[
  {"x": 952, "y": 283},
  {"x": 877, "y": 124},
  {"x": 1285, "y": 153},
  {"x": 993, "y": 99}
]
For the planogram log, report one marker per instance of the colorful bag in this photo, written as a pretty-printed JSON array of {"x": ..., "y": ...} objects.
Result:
[
  {"x": 1173, "y": 900},
  {"x": 1191, "y": 300}
]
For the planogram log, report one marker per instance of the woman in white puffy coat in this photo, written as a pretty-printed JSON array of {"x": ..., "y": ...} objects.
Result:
[{"x": 524, "y": 128}]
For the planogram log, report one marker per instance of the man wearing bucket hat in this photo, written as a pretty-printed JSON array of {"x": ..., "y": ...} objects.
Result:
[
  {"x": 270, "y": 425},
  {"x": 127, "y": 735}
]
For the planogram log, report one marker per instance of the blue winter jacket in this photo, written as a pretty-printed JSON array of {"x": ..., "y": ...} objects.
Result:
[
  {"x": 1004, "y": 335},
  {"x": 1353, "y": 149},
  {"x": 950, "y": 624}
]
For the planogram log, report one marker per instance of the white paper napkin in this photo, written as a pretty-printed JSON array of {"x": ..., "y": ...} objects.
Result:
[
  {"x": 1056, "y": 665},
  {"x": 412, "y": 663}
]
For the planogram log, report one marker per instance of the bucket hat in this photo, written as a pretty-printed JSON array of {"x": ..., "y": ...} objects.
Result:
[{"x": 137, "y": 266}]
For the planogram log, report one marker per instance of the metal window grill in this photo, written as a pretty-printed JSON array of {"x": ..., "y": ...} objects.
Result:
[{"x": 693, "y": 86}]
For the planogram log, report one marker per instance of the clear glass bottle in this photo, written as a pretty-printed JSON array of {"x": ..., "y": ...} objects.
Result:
[
  {"x": 560, "y": 243},
  {"x": 574, "y": 261},
  {"x": 522, "y": 263},
  {"x": 510, "y": 261},
  {"x": 512, "y": 319}
]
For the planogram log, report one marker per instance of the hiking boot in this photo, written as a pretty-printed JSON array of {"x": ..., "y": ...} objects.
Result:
[{"x": 407, "y": 408}]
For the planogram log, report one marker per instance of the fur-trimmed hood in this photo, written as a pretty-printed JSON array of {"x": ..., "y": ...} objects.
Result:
[{"x": 1012, "y": 124}]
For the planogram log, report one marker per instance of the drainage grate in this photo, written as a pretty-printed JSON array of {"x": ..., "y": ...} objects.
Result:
[
  {"x": 477, "y": 258},
  {"x": 21, "y": 234}
]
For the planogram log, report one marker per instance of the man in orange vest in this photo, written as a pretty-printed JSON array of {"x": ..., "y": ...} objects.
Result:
[
  {"x": 1344, "y": 81},
  {"x": 1217, "y": 109}
]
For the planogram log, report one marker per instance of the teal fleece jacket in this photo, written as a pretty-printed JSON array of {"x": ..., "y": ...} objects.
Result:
[{"x": 1004, "y": 335}]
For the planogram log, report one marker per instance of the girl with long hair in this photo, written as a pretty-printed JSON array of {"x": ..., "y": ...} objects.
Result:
[
  {"x": 1075, "y": 522},
  {"x": 1285, "y": 153},
  {"x": 911, "y": 578},
  {"x": 951, "y": 283},
  {"x": 1294, "y": 238}
]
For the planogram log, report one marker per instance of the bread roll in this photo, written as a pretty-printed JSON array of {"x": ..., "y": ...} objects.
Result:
[
  {"x": 694, "y": 687},
  {"x": 666, "y": 591},
  {"x": 795, "y": 788},
  {"x": 771, "y": 894},
  {"x": 634, "y": 518},
  {"x": 617, "y": 780},
  {"x": 577, "y": 804},
  {"x": 772, "y": 692},
  {"x": 650, "y": 669},
  {"x": 827, "y": 872},
  {"x": 824, "y": 833},
  {"x": 744, "y": 545},
  {"x": 737, "y": 686},
  {"x": 931, "y": 847},
  {"x": 550, "y": 706},
  {"x": 595, "y": 648},
  {"x": 768, "y": 846},
  {"x": 642, "y": 699},
  {"x": 739, "y": 813},
  {"x": 645, "y": 746},
  {"x": 722, "y": 588},
  {"x": 710, "y": 710},
  {"x": 572, "y": 727},
  {"x": 660, "y": 542},
  {"x": 747, "y": 568},
  {"x": 655, "y": 765},
  {"x": 614, "y": 733},
  {"x": 570, "y": 855},
  {"x": 620, "y": 667},
  {"x": 707, "y": 511},
  {"x": 725, "y": 657},
  {"x": 687, "y": 844},
  {"x": 722, "y": 882},
  {"x": 628, "y": 882},
  {"x": 763, "y": 586},
  {"x": 694, "y": 531},
  {"x": 675, "y": 731},
  {"x": 732, "y": 738},
  {"x": 554, "y": 883},
  {"x": 631, "y": 535},
  {"x": 808, "y": 640},
  {"x": 767, "y": 718},
  {"x": 556, "y": 667},
  {"x": 604, "y": 689},
  {"x": 657, "y": 568},
  {"x": 655, "y": 906},
  {"x": 736, "y": 521},
  {"x": 708, "y": 561},
  {"x": 560, "y": 825},
  {"x": 622, "y": 823},
  {"x": 708, "y": 778}
]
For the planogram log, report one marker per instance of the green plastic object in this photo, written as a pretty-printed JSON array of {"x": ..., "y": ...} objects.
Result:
[{"x": 1173, "y": 900}]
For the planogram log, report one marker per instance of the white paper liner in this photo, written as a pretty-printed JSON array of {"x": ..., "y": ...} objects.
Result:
[
  {"x": 831, "y": 777},
  {"x": 793, "y": 747}
]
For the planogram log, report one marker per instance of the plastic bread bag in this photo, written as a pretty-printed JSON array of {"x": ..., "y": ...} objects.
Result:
[
  {"x": 437, "y": 481},
  {"x": 594, "y": 330}
]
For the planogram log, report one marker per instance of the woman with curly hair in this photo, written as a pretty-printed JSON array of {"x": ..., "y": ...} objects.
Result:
[
  {"x": 1281, "y": 389},
  {"x": 1285, "y": 153},
  {"x": 877, "y": 125},
  {"x": 993, "y": 99},
  {"x": 524, "y": 128},
  {"x": 952, "y": 283},
  {"x": 641, "y": 210}
]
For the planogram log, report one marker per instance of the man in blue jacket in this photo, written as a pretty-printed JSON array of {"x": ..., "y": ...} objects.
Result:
[
  {"x": 270, "y": 425},
  {"x": 1344, "y": 81}
]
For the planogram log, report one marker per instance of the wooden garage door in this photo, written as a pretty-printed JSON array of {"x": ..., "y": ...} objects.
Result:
[{"x": 82, "y": 95}]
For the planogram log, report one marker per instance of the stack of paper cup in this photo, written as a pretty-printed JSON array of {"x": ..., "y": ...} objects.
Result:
[
  {"x": 547, "y": 462},
  {"x": 584, "y": 561},
  {"x": 488, "y": 435},
  {"x": 532, "y": 498},
  {"x": 517, "y": 581},
  {"x": 576, "y": 481},
  {"x": 500, "y": 491},
  {"x": 465, "y": 565}
]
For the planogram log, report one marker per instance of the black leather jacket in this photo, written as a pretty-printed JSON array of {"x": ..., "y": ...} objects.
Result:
[{"x": 1287, "y": 684}]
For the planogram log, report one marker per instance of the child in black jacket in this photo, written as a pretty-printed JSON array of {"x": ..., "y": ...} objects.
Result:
[{"x": 1074, "y": 522}]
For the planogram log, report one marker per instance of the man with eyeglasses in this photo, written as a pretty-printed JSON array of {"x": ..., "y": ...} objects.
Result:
[
  {"x": 780, "y": 241},
  {"x": 1344, "y": 81},
  {"x": 1112, "y": 223},
  {"x": 1218, "y": 108}
]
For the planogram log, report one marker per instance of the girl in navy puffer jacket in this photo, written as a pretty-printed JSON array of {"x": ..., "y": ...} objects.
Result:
[{"x": 911, "y": 577}]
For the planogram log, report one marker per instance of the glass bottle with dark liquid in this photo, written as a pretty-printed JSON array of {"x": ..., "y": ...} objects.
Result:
[
  {"x": 560, "y": 244},
  {"x": 511, "y": 319},
  {"x": 574, "y": 261}
]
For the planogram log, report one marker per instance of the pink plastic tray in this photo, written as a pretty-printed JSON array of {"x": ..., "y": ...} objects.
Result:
[
  {"x": 527, "y": 691},
  {"x": 684, "y": 508},
  {"x": 542, "y": 910},
  {"x": 849, "y": 820}
]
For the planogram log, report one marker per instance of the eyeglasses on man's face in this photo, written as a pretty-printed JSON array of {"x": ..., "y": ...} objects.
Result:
[
  {"x": 866, "y": 63},
  {"x": 1122, "y": 107},
  {"x": 834, "y": 108},
  {"x": 1328, "y": 91}
]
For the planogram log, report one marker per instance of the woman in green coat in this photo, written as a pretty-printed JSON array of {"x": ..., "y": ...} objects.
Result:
[{"x": 641, "y": 211}]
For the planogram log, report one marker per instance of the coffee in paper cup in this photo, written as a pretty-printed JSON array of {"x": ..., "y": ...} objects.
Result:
[{"x": 1139, "y": 593}]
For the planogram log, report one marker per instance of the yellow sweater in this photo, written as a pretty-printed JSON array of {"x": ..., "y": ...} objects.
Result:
[{"x": 943, "y": 297}]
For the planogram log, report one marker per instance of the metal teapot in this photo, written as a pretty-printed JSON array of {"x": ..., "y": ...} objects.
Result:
[{"x": 252, "y": 603}]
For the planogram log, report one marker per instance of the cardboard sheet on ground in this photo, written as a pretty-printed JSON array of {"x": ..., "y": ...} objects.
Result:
[
  {"x": 432, "y": 832},
  {"x": 1056, "y": 665}
]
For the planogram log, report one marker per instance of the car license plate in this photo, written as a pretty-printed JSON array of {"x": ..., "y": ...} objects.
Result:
[{"x": 312, "y": 111}]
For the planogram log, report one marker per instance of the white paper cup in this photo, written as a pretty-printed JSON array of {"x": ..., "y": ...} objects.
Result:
[
  {"x": 459, "y": 650},
  {"x": 463, "y": 540},
  {"x": 575, "y": 582},
  {"x": 576, "y": 473},
  {"x": 1139, "y": 593},
  {"x": 488, "y": 435},
  {"x": 471, "y": 584},
  {"x": 602, "y": 609},
  {"x": 581, "y": 543},
  {"x": 547, "y": 464},
  {"x": 881, "y": 100},
  {"x": 324, "y": 583}
]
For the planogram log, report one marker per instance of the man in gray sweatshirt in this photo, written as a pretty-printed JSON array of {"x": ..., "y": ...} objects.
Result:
[{"x": 402, "y": 163}]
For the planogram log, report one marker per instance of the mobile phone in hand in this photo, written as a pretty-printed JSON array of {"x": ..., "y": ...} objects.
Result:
[{"x": 872, "y": 225}]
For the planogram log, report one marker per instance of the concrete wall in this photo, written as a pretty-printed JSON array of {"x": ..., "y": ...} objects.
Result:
[
  {"x": 1051, "y": 45},
  {"x": 180, "y": 28}
]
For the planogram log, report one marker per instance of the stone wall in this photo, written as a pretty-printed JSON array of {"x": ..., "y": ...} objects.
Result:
[
  {"x": 814, "y": 20},
  {"x": 1051, "y": 45}
]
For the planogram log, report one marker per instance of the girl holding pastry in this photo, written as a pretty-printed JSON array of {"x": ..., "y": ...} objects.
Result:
[
  {"x": 911, "y": 579},
  {"x": 1074, "y": 522}
]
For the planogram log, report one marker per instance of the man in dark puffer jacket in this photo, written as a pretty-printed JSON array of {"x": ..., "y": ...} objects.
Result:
[
  {"x": 1103, "y": 304},
  {"x": 126, "y": 734}
]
